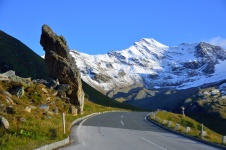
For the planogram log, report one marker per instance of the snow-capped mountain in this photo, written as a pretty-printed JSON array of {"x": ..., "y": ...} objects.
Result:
[{"x": 150, "y": 64}]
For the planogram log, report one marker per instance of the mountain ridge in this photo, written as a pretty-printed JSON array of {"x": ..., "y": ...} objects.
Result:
[
  {"x": 154, "y": 65},
  {"x": 16, "y": 56}
]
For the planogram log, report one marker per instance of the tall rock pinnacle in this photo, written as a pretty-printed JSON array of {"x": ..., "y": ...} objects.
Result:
[{"x": 62, "y": 65}]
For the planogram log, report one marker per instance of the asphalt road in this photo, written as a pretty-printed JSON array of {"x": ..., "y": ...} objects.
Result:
[{"x": 127, "y": 131}]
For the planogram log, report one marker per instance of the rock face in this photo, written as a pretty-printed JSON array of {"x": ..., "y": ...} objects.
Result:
[{"x": 62, "y": 66}]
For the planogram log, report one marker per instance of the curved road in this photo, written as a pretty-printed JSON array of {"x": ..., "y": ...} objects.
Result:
[{"x": 127, "y": 131}]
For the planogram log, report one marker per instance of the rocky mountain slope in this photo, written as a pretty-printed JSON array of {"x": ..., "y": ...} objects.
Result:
[
  {"x": 14, "y": 55},
  {"x": 137, "y": 72}
]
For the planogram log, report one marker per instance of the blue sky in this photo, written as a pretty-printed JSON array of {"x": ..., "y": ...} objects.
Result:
[{"x": 99, "y": 26}]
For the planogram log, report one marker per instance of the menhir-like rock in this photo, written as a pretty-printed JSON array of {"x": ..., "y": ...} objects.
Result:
[{"x": 62, "y": 65}]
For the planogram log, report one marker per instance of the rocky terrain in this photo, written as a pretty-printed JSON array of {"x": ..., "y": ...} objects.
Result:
[{"x": 28, "y": 110}]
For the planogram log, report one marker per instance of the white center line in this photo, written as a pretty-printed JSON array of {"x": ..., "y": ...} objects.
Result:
[
  {"x": 122, "y": 123},
  {"x": 122, "y": 116},
  {"x": 153, "y": 143}
]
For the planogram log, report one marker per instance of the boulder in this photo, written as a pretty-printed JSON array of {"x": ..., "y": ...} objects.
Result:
[
  {"x": 44, "y": 90},
  {"x": 27, "y": 109},
  {"x": 4, "y": 122},
  {"x": 74, "y": 111},
  {"x": 18, "y": 91},
  {"x": 44, "y": 107},
  {"x": 12, "y": 77},
  {"x": 62, "y": 65},
  {"x": 63, "y": 87}
]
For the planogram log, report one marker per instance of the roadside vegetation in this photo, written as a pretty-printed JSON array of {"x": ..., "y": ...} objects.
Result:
[
  {"x": 163, "y": 118},
  {"x": 29, "y": 130}
]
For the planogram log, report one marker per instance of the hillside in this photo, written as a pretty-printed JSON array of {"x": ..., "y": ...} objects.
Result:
[
  {"x": 14, "y": 55},
  {"x": 33, "y": 112},
  {"x": 169, "y": 120},
  {"x": 208, "y": 106}
]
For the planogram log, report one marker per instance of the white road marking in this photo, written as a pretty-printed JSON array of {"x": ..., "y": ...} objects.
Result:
[
  {"x": 122, "y": 116},
  {"x": 79, "y": 126},
  {"x": 153, "y": 143},
  {"x": 122, "y": 123}
]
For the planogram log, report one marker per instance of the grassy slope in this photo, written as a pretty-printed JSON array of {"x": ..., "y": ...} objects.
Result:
[
  {"x": 14, "y": 55},
  {"x": 40, "y": 129},
  {"x": 186, "y": 121}
]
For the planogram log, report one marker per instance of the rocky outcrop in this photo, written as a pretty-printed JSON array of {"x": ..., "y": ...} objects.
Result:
[
  {"x": 192, "y": 65},
  {"x": 209, "y": 56},
  {"x": 62, "y": 66},
  {"x": 101, "y": 78},
  {"x": 10, "y": 75},
  {"x": 121, "y": 73}
]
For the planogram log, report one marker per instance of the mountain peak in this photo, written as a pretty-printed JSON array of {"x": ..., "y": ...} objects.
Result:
[{"x": 151, "y": 42}]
